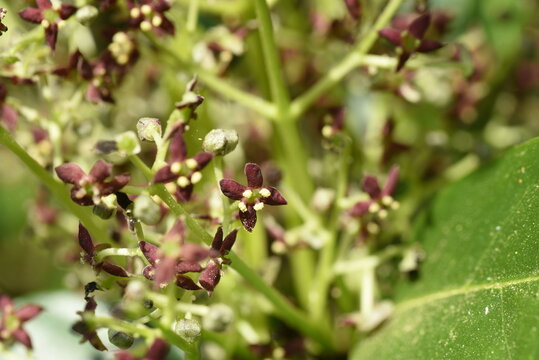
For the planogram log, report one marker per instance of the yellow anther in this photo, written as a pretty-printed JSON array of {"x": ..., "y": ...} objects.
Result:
[
  {"x": 145, "y": 26},
  {"x": 395, "y": 205},
  {"x": 196, "y": 177},
  {"x": 134, "y": 13},
  {"x": 387, "y": 200},
  {"x": 191, "y": 163},
  {"x": 176, "y": 167},
  {"x": 373, "y": 228},
  {"x": 374, "y": 208},
  {"x": 45, "y": 23},
  {"x": 157, "y": 21},
  {"x": 146, "y": 9},
  {"x": 242, "y": 207},
  {"x": 327, "y": 131},
  {"x": 258, "y": 206},
  {"x": 382, "y": 214},
  {"x": 183, "y": 182},
  {"x": 247, "y": 194},
  {"x": 265, "y": 192}
]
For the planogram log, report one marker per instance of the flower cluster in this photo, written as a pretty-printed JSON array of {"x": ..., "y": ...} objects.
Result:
[{"x": 11, "y": 321}]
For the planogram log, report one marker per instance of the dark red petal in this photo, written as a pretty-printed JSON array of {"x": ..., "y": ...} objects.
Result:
[
  {"x": 164, "y": 175},
  {"x": 178, "y": 149},
  {"x": 158, "y": 350},
  {"x": 202, "y": 159},
  {"x": 44, "y": 4},
  {"x": 217, "y": 239},
  {"x": 165, "y": 270},
  {"x": 360, "y": 208},
  {"x": 403, "y": 58},
  {"x": 183, "y": 267},
  {"x": 101, "y": 170},
  {"x": 229, "y": 241},
  {"x": 275, "y": 198},
  {"x": 85, "y": 240},
  {"x": 185, "y": 282},
  {"x": 209, "y": 278},
  {"x": 22, "y": 336},
  {"x": 149, "y": 251},
  {"x": 248, "y": 218},
  {"x": 232, "y": 189},
  {"x": 184, "y": 194},
  {"x": 167, "y": 27},
  {"x": 254, "y": 175},
  {"x": 10, "y": 117},
  {"x": 115, "y": 184},
  {"x": 426, "y": 46},
  {"x": 419, "y": 26},
  {"x": 392, "y": 35},
  {"x": 371, "y": 187},
  {"x": 6, "y": 304},
  {"x": 391, "y": 182},
  {"x": 149, "y": 272},
  {"x": 51, "y": 34},
  {"x": 66, "y": 11},
  {"x": 70, "y": 173},
  {"x": 114, "y": 269},
  {"x": 28, "y": 312},
  {"x": 32, "y": 15},
  {"x": 194, "y": 252},
  {"x": 354, "y": 8},
  {"x": 84, "y": 201}
]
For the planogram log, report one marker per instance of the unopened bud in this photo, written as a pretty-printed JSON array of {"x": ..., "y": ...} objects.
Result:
[
  {"x": 146, "y": 210},
  {"x": 148, "y": 129},
  {"x": 188, "y": 329},
  {"x": 127, "y": 143},
  {"x": 103, "y": 211},
  {"x": 120, "y": 339},
  {"x": 220, "y": 141}
]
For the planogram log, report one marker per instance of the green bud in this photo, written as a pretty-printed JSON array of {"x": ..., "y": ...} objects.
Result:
[
  {"x": 146, "y": 210},
  {"x": 188, "y": 329},
  {"x": 86, "y": 14},
  {"x": 127, "y": 143},
  {"x": 220, "y": 141},
  {"x": 148, "y": 129},
  {"x": 218, "y": 318},
  {"x": 120, "y": 339}
]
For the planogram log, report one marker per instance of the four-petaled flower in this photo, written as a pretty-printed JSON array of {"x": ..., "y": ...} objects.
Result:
[
  {"x": 49, "y": 16},
  {"x": 11, "y": 321},
  {"x": 252, "y": 197},
  {"x": 411, "y": 39},
  {"x": 89, "y": 189},
  {"x": 150, "y": 15},
  {"x": 379, "y": 198},
  {"x": 158, "y": 351},
  {"x": 183, "y": 171}
]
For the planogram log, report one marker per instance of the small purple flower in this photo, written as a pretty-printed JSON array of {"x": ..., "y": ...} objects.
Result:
[
  {"x": 11, "y": 321},
  {"x": 411, "y": 39},
  {"x": 157, "y": 351},
  {"x": 89, "y": 188},
  {"x": 83, "y": 328},
  {"x": 49, "y": 16},
  {"x": 252, "y": 197},
  {"x": 149, "y": 15},
  {"x": 379, "y": 197},
  {"x": 183, "y": 171}
]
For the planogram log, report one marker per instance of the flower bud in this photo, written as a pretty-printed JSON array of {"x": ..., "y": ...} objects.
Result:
[
  {"x": 188, "y": 329},
  {"x": 86, "y": 14},
  {"x": 148, "y": 129},
  {"x": 127, "y": 143},
  {"x": 146, "y": 210},
  {"x": 218, "y": 318},
  {"x": 120, "y": 339},
  {"x": 220, "y": 141},
  {"x": 103, "y": 211}
]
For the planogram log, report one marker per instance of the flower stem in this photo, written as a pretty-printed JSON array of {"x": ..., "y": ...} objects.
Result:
[
  {"x": 218, "y": 172},
  {"x": 192, "y": 16},
  {"x": 56, "y": 188}
]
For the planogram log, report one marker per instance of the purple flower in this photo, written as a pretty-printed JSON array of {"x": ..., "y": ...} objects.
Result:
[
  {"x": 411, "y": 39},
  {"x": 49, "y": 16},
  {"x": 11, "y": 321},
  {"x": 379, "y": 197},
  {"x": 89, "y": 188},
  {"x": 183, "y": 171},
  {"x": 87, "y": 331},
  {"x": 252, "y": 197},
  {"x": 149, "y": 15},
  {"x": 158, "y": 351}
]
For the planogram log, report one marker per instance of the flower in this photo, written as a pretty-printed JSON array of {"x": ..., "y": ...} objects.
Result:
[
  {"x": 379, "y": 198},
  {"x": 411, "y": 39},
  {"x": 150, "y": 15},
  {"x": 88, "y": 331},
  {"x": 50, "y": 17},
  {"x": 158, "y": 351},
  {"x": 184, "y": 171},
  {"x": 11, "y": 321},
  {"x": 252, "y": 197},
  {"x": 89, "y": 189}
]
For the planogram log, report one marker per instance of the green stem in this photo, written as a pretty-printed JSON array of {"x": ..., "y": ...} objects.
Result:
[
  {"x": 192, "y": 16},
  {"x": 218, "y": 172},
  {"x": 350, "y": 62},
  {"x": 120, "y": 325},
  {"x": 139, "y": 164},
  {"x": 129, "y": 252},
  {"x": 56, "y": 188}
]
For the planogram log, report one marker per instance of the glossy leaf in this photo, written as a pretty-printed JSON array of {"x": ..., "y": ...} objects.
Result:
[{"x": 478, "y": 292}]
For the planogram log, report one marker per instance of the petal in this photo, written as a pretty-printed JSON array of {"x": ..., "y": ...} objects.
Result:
[
  {"x": 275, "y": 198},
  {"x": 149, "y": 251},
  {"x": 85, "y": 240},
  {"x": 84, "y": 201},
  {"x": 391, "y": 182},
  {"x": 427, "y": 46},
  {"x": 194, "y": 252},
  {"x": 114, "y": 269},
  {"x": 370, "y": 186},
  {"x": 254, "y": 175},
  {"x": 32, "y": 15},
  {"x": 6, "y": 304},
  {"x": 70, "y": 173},
  {"x": 66, "y": 11},
  {"x": 184, "y": 194},
  {"x": 183, "y": 267},
  {"x": 178, "y": 149},
  {"x": 51, "y": 34},
  {"x": 149, "y": 272},
  {"x": 158, "y": 350},
  {"x": 419, "y": 26},
  {"x": 229, "y": 241},
  {"x": 22, "y": 336},
  {"x": 202, "y": 159},
  {"x": 165, "y": 270},
  {"x": 248, "y": 218},
  {"x": 185, "y": 282},
  {"x": 115, "y": 184},
  {"x": 232, "y": 189},
  {"x": 10, "y": 117},
  {"x": 403, "y": 58},
  {"x": 209, "y": 278},
  {"x": 164, "y": 175},
  {"x": 360, "y": 208},
  {"x": 28, "y": 312},
  {"x": 44, "y": 4},
  {"x": 101, "y": 170},
  {"x": 392, "y": 35},
  {"x": 217, "y": 239}
]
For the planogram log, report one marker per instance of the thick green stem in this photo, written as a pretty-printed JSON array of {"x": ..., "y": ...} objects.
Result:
[
  {"x": 350, "y": 62},
  {"x": 58, "y": 189}
]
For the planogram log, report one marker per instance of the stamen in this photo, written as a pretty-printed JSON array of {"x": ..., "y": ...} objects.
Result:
[
  {"x": 265, "y": 193},
  {"x": 176, "y": 167},
  {"x": 146, "y": 9},
  {"x": 183, "y": 182},
  {"x": 191, "y": 163},
  {"x": 374, "y": 208},
  {"x": 145, "y": 26},
  {"x": 196, "y": 177},
  {"x": 247, "y": 194},
  {"x": 242, "y": 207},
  {"x": 258, "y": 206}
]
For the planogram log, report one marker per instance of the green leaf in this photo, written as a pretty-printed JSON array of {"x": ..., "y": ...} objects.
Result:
[{"x": 478, "y": 292}]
